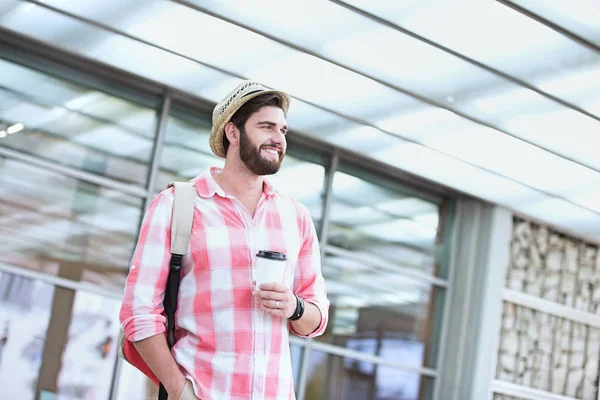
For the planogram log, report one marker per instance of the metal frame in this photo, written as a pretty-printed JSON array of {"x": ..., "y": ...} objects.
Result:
[
  {"x": 451, "y": 266},
  {"x": 357, "y": 355},
  {"x": 551, "y": 307},
  {"x": 331, "y": 170},
  {"x": 413, "y": 273},
  {"x": 74, "y": 173},
  {"x": 60, "y": 282},
  {"x": 159, "y": 139},
  {"x": 524, "y": 392}
]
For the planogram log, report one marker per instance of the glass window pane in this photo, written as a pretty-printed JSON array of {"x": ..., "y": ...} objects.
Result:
[
  {"x": 296, "y": 353},
  {"x": 25, "y": 308},
  {"x": 342, "y": 378},
  {"x": 378, "y": 217},
  {"x": 186, "y": 152},
  {"x": 302, "y": 176},
  {"x": 370, "y": 305},
  {"x": 66, "y": 227},
  {"x": 74, "y": 125},
  {"x": 89, "y": 353},
  {"x": 55, "y": 340},
  {"x": 383, "y": 252}
]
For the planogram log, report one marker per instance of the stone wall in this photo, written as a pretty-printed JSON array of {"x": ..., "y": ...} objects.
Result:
[{"x": 539, "y": 350}]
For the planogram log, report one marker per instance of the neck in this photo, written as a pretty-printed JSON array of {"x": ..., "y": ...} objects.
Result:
[{"x": 235, "y": 179}]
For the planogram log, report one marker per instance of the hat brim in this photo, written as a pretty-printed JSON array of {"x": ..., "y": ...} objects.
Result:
[{"x": 218, "y": 128}]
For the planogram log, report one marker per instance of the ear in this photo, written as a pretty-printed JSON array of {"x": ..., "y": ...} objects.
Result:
[{"x": 232, "y": 133}]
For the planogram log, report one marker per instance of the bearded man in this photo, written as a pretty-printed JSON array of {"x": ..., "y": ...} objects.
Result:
[{"x": 233, "y": 337}]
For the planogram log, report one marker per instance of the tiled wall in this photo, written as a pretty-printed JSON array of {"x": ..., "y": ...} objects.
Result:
[{"x": 539, "y": 350}]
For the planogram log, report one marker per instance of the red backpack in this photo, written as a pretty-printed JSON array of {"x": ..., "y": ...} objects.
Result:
[{"x": 181, "y": 227}]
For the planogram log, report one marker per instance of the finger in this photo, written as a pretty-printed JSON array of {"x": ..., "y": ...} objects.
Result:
[
  {"x": 266, "y": 295},
  {"x": 275, "y": 312},
  {"x": 273, "y": 287},
  {"x": 272, "y": 304}
]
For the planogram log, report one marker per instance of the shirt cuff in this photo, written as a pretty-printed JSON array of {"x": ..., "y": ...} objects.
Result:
[{"x": 141, "y": 327}]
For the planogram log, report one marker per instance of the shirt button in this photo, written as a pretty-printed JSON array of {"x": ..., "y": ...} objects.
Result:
[{"x": 133, "y": 267}]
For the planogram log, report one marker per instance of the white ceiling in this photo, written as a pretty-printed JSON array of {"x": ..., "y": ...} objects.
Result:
[{"x": 471, "y": 94}]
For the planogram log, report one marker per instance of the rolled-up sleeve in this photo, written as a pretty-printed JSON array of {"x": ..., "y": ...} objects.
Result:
[
  {"x": 141, "y": 313},
  {"x": 308, "y": 280}
]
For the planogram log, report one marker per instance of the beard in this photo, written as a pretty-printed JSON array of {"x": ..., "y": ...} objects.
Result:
[{"x": 253, "y": 159}]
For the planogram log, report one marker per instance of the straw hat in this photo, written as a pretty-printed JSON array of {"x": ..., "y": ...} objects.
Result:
[{"x": 245, "y": 91}]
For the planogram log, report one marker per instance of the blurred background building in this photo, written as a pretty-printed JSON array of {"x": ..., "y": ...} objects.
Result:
[{"x": 449, "y": 152}]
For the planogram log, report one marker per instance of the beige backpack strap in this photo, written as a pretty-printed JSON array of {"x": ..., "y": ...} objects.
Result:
[{"x": 183, "y": 215}]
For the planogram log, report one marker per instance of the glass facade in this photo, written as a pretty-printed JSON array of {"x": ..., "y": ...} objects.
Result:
[
  {"x": 343, "y": 378},
  {"x": 78, "y": 164},
  {"x": 74, "y": 125}
]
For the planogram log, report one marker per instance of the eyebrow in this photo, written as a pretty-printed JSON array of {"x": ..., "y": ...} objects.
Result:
[{"x": 271, "y": 123}]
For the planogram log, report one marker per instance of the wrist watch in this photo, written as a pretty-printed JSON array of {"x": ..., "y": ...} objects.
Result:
[{"x": 299, "y": 312}]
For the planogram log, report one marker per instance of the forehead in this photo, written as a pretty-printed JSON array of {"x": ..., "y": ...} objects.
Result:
[{"x": 269, "y": 113}]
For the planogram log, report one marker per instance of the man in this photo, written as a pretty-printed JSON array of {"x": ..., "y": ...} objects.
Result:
[{"x": 232, "y": 336}]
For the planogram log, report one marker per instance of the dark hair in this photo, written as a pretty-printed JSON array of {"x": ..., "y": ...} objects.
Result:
[{"x": 250, "y": 107}]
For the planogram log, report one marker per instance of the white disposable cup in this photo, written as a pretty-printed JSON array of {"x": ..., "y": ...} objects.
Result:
[{"x": 270, "y": 267}]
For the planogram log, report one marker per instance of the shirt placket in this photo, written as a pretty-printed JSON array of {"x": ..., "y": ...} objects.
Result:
[{"x": 259, "y": 338}]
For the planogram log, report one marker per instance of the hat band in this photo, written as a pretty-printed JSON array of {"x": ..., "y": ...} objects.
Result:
[{"x": 252, "y": 92}]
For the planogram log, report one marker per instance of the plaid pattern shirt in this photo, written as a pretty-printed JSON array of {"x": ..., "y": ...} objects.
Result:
[{"x": 227, "y": 346}]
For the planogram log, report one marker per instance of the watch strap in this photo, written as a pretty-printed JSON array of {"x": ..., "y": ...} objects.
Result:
[{"x": 299, "y": 312}]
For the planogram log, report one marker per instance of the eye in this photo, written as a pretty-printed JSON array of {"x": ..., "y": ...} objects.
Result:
[{"x": 284, "y": 132}]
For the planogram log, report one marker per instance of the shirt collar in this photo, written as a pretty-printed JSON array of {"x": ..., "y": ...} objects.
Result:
[{"x": 207, "y": 187}]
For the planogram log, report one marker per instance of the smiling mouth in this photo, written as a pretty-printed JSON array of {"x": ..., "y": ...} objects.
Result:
[{"x": 272, "y": 151}]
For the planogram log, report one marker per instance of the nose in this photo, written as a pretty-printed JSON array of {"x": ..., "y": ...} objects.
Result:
[{"x": 279, "y": 139}]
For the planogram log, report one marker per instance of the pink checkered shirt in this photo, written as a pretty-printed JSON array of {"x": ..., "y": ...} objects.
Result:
[{"x": 226, "y": 345}]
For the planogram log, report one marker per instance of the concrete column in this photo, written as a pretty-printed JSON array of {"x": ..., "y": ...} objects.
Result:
[{"x": 481, "y": 245}]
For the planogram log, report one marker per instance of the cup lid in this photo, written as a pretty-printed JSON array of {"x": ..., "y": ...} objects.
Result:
[{"x": 272, "y": 255}]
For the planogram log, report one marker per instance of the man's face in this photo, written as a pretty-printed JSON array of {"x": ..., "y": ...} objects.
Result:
[{"x": 262, "y": 141}]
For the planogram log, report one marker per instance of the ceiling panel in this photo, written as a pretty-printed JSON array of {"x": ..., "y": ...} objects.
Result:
[
  {"x": 264, "y": 59},
  {"x": 528, "y": 50},
  {"x": 580, "y": 17}
]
